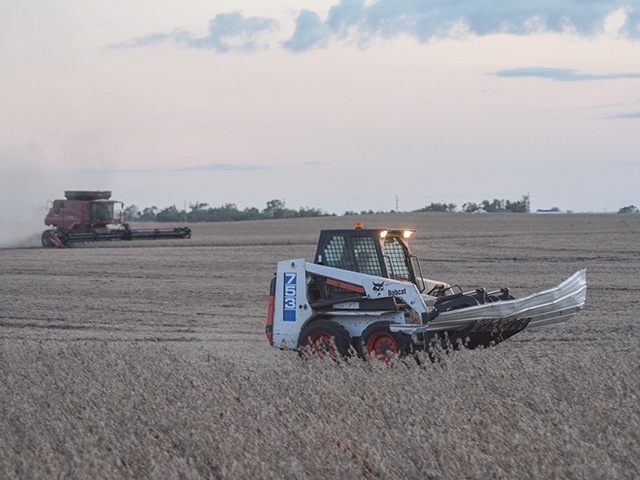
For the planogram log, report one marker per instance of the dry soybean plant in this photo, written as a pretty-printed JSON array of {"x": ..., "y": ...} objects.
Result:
[{"x": 119, "y": 410}]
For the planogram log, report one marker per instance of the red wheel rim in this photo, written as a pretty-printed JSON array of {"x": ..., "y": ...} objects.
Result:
[
  {"x": 383, "y": 346},
  {"x": 321, "y": 344}
]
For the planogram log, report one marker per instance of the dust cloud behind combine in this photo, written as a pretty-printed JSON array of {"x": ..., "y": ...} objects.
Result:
[
  {"x": 25, "y": 192},
  {"x": 149, "y": 360},
  {"x": 22, "y": 208}
]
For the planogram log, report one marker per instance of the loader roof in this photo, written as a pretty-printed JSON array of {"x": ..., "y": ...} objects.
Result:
[
  {"x": 367, "y": 232},
  {"x": 379, "y": 252}
]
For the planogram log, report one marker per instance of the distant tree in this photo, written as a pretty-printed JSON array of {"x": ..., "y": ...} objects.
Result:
[
  {"x": 198, "y": 212},
  {"x": 148, "y": 214},
  {"x": 492, "y": 206},
  {"x": 251, "y": 213},
  {"x": 310, "y": 212},
  {"x": 275, "y": 209},
  {"x": 439, "y": 207},
  {"x": 629, "y": 209},
  {"x": 520, "y": 206},
  {"x": 226, "y": 213},
  {"x": 195, "y": 207},
  {"x": 131, "y": 213},
  {"x": 470, "y": 207},
  {"x": 289, "y": 213},
  {"x": 170, "y": 214},
  {"x": 350, "y": 212}
]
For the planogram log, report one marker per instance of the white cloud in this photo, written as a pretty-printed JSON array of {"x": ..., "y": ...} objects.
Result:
[
  {"x": 220, "y": 167},
  {"x": 310, "y": 32},
  {"x": 626, "y": 115},
  {"x": 561, "y": 74},
  {"x": 227, "y": 32},
  {"x": 361, "y": 21}
]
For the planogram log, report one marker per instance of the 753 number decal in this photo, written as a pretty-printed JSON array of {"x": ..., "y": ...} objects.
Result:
[{"x": 290, "y": 290}]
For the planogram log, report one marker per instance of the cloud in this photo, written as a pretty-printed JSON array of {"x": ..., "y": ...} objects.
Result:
[
  {"x": 112, "y": 171},
  {"x": 626, "y": 115},
  {"x": 310, "y": 32},
  {"x": 220, "y": 167},
  {"x": 561, "y": 74},
  {"x": 359, "y": 21},
  {"x": 227, "y": 32},
  {"x": 214, "y": 167},
  {"x": 429, "y": 19}
]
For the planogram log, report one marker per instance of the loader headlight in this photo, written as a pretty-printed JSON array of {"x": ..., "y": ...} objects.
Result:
[
  {"x": 383, "y": 233},
  {"x": 407, "y": 233}
]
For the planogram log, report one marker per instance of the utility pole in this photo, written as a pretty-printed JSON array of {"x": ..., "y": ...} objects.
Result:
[{"x": 397, "y": 209}]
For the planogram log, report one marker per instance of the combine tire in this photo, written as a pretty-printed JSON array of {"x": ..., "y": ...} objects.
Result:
[
  {"x": 324, "y": 338},
  {"x": 50, "y": 239},
  {"x": 45, "y": 238},
  {"x": 379, "y": 342}
]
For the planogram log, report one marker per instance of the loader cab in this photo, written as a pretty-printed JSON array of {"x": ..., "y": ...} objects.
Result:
[{"x": 379, "y": 252}]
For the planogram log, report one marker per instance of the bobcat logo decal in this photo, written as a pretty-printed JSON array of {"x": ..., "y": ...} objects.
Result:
[{"x": 377, "y": 287}]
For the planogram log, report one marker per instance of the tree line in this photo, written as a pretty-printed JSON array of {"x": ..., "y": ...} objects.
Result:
[
  {"x": 515, "y": 206},
  {"x": 629, "y": 209},
  {"x": 229, "y": 212}
]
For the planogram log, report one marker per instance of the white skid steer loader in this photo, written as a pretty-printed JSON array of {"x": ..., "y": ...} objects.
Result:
[{"x": 366, "y": 290}]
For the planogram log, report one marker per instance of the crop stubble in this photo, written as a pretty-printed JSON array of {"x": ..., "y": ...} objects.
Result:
[{"x": 149, "y": 360}]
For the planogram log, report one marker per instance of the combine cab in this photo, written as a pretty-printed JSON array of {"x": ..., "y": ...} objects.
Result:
[
  {"x": 90, "y": 216},
  {"x": 366, "y": 290}
]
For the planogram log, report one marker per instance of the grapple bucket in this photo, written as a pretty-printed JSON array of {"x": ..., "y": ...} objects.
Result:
[
  {"x": 482, "y": 333},
  {"x": 491, "y": 323}
]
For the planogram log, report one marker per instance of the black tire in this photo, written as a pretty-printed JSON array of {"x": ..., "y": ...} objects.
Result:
[
  {"x": 324, "y": 338},
  {"x": 45, "y": 238},
  {"x": 53, "y": 239},
  {"x": 378, "y": 341}
]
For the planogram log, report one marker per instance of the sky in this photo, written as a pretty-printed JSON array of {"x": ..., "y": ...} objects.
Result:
[{"x": 338, "y": 105}]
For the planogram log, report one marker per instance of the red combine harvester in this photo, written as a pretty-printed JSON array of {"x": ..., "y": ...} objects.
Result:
[{"x": 89, "y": 216}]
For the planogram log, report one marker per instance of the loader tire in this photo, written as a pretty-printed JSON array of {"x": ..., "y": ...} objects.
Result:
[
  {"x": 324, "y": 338},
  {"x": 378, "y": 341}
]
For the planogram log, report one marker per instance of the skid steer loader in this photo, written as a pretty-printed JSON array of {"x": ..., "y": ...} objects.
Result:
[{"x": 366, "y": 290}]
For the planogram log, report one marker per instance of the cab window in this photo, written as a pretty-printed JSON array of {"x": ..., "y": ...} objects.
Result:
[
  {"x": 357, "y": 254},
  {"x": 395, "y": 254},
  {"x": 101, "y": 212}
]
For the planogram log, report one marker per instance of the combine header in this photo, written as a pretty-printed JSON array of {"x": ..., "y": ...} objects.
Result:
[
  {"x": 366, "y": 290},
  {"x": 89, "y": 216}
]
